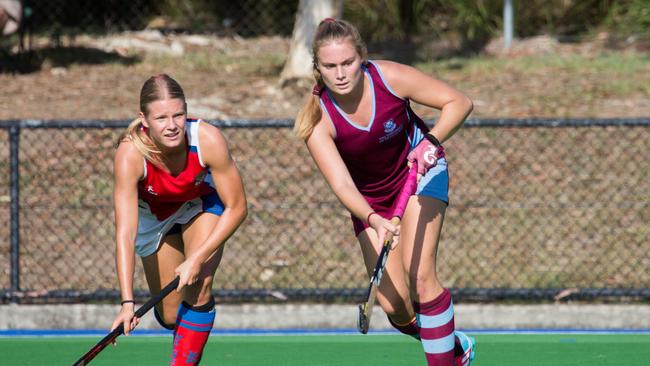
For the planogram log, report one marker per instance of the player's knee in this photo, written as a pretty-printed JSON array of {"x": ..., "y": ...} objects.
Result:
[
  {"x": 167, "y": 320},
  {"x": 204, "y": 294},
  {"x": 425, "y": 284},
  {"x": 203, "y": 304}
]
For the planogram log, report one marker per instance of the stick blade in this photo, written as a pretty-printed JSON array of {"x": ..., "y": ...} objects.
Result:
[{"x": 363, "y": 322}]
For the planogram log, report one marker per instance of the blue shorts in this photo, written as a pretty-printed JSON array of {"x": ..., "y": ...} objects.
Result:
[
  {"x": 211, "y": 204},
  {"x": 435, "y": 183}
]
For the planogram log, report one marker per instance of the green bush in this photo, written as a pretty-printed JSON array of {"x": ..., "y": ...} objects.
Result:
[
  {"x": 473, "y": 22},
  {"x": 563, "y": 18},
  {"x": 406, "y": 19},
  {"x": 476, "y": 21},
  {"x": 629, "y": 17}
]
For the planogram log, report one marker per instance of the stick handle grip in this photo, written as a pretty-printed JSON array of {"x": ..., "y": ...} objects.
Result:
[
  {"x": 407, "y": 191},
  {"x": 365, "y": 310}
]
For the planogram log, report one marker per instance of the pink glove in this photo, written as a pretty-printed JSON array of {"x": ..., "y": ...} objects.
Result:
[{"x": 426, "y": 155}]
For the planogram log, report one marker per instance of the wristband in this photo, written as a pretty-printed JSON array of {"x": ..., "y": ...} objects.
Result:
[
  {"x": 127, "y": 301},
  {"x": 368, "y": 217},
  {"x": 432, "y": 139}
]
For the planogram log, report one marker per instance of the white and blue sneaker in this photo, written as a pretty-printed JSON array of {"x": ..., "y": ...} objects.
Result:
[{"x": 469, "y": 345}]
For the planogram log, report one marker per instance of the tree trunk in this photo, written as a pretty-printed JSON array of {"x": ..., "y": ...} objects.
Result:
[{"x": 310, "y": 13}]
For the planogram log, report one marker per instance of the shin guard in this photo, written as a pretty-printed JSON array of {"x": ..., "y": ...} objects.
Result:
[{"x": 193, "y": 326}]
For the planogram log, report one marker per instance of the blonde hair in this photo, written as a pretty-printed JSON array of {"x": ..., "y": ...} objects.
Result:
[
  {"x": 157, "y": 87},
  {"x": 328, "y": 29}
]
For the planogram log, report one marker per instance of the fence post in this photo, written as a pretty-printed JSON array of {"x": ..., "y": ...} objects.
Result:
[
  {"x": 508, "y": 24},
  {"x": 14, "y": 182}
]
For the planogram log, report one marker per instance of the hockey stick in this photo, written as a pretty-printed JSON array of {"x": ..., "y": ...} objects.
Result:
[
  {"x": 108, "y": 339},
  {"x": 365, "y": 309}
]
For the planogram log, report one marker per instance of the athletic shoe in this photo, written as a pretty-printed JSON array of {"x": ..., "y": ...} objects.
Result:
[{"x": 469, "y": 345}]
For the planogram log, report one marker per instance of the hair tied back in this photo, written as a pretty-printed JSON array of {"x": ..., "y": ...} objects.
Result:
[{"x": 318, "y": 90}]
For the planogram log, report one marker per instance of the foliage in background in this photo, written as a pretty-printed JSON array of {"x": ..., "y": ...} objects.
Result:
[
  {"x": 243, "y": 17},
  {"x": 192, "y": 14},
  {"x": 629, "y": 17},
  {"x": 564, "y": 18},
  {"x": 70, "y": 16},
  {"x": 471, "y": 22},
  {"x": 376, "y": 19},
  {"x": 403, "y": 25},
  {"x": 474, "y": 22}
]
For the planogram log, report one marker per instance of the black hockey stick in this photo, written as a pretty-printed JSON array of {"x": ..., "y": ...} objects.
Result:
[
  {"x": 108, "y": 339},
  {"x": 365, "y": 309}
]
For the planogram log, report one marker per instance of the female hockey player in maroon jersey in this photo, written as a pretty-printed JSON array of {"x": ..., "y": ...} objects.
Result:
[
  {"x": 362, "y": 134},
  {"x": 178, "y": 198}
]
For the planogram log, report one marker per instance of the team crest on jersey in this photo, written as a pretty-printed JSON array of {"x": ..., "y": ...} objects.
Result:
[
  {"x": 391, "y": 129},
  {"x": 200, "y": 177},
  {"x": 151, "y": 191},
  {"x": 389, "y": 126}
]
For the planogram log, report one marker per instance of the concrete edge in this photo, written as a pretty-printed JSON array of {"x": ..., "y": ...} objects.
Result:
[{"x": 321, "y": 316}]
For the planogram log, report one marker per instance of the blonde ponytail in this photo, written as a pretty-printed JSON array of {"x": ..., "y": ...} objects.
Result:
[
  {"x": 307, "y": 117},
  {"x": 138, "y": 137}
]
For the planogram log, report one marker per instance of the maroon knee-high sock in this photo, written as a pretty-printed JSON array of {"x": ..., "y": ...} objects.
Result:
[
  {"x": 411, "y": 328},
  {"x": 436, "y": 320}
]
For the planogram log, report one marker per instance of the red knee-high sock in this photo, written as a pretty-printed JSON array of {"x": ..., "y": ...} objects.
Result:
[
  {"x": 436, "y": 320},
  {"x": 193, "y": 325}
]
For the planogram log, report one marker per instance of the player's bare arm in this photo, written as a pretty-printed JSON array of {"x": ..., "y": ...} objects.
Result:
[
  {"x": 128, "y": 167},
  {"x": 324, "y": 152},
  {"x": 411, "y": 83},
  {"x": 229, "y": 186}
]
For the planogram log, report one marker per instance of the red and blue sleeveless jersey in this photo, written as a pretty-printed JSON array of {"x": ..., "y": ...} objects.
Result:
[
  {"x": 375, "y": 155},
  {"x": 165, "y": 193}
]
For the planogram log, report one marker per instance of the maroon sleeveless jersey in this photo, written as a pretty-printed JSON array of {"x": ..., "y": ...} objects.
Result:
[{"x": 376, "y": 155}]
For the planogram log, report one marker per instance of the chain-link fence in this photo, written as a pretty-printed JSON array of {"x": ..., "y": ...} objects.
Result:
[
  {"x": 537, "y": 210},
  {"x": 244, "y": 17}
]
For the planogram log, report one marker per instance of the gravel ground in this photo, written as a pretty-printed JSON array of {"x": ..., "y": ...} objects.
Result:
[{"x": 100, "y": 77}]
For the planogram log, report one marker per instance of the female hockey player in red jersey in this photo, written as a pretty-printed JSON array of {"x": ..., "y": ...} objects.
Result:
[{"x": 178, "y": 198}]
